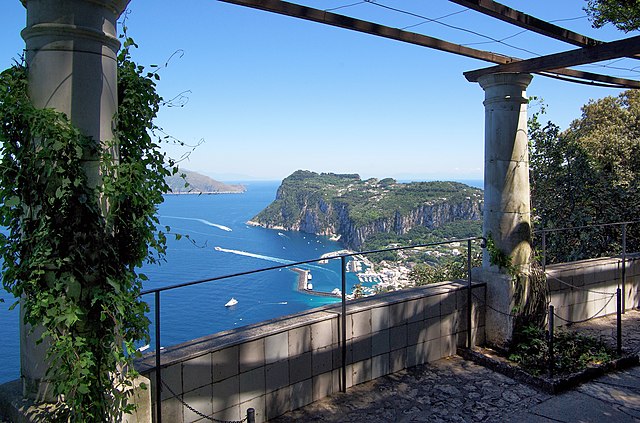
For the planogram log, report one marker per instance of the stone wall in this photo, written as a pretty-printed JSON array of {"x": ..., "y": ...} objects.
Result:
[
  {"x": 289, "y": 362},
  {"x": 584, "y": 289}
]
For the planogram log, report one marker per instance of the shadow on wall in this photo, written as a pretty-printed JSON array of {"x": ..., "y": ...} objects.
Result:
[{"x": 289, "y": 362}]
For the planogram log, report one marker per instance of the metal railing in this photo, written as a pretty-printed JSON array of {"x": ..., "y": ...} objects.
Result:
[
  {"x": 623, "y": 245},
  {"x": 156, "y": 292}
]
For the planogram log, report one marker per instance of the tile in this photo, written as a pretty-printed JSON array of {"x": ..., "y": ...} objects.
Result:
[
  {"x": 301, "y": 394},
  {"x": 276, "y": 347},
  {"x": 361, "y": 323},
  {"x": 226, "y": 393},
  {"x": 300, "y": 368},
  {"x": 251, "y": 355},
  {"x": 379, "y": 365},
  {"x": 379, "y": 318},
  {"x": 278, "y": 402},
  {"x": 299, "y": 340},
  {"x": 380, "y": 342},
  {"x": 321, "y": 334},
  {"x": 252, "y": 384},
  {"x": 321, "y": 360},
  {"x": 197, "y": 373},
  {"x": 225, "y": 363},
  {"x": 199, "y": 399},
  {"x": 277, "y": 375}
]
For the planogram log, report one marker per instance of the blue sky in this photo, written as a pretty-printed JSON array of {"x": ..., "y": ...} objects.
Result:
[{"x": 269, "y": 94}]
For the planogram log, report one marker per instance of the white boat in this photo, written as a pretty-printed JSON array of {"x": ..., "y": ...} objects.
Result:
[{"x": 231, "y": 302}]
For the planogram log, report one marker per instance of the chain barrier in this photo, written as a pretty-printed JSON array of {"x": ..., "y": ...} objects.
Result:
[
  {"x": 198, "y": 412},
  {"x": 577, "y": 287},
  {"x": 612, "y": 296},
  {"x": 496, "y": 310}
]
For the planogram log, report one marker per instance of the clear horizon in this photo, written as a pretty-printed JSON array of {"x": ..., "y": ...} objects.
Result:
[{"x": 270, "y": 94}]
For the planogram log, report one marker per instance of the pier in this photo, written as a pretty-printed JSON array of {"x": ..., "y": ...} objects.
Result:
[{"x": 303, "y": 278}]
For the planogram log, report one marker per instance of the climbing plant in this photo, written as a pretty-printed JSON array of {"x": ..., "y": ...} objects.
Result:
[
  {"x": 530, "y": 298},
  {"x": 72, "y": 247}
]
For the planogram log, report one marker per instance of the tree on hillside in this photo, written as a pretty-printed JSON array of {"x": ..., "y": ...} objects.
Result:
[
  {"x": 588, "y": 174},
  {"x": 624, "y": 14}
]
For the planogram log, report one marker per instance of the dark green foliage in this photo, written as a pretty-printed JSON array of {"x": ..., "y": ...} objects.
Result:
[
  {"x": 624, "y": 14},
  {"x": 588, "y": 175},
  {"x": 451, "y": 269},
  {"x": 72, "y": 249},
  {"x": 572, "y": 352}
]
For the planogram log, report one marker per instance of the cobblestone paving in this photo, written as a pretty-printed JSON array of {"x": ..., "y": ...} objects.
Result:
[
  {"x": 449, "y": 390},
  {"x": 605, "y": 328}
]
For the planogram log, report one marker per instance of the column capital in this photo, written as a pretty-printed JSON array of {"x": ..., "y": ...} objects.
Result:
[{"x": 495, "y": 79}]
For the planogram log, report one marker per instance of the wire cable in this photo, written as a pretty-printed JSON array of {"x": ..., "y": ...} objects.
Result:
[{"x": 426, "y": 18}]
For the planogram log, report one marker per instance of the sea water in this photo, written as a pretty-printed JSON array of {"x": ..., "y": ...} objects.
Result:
[{"x": 204, "y": 222}]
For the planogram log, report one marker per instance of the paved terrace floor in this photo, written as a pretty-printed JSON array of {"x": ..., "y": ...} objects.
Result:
[{"x": 455, "y": 390}]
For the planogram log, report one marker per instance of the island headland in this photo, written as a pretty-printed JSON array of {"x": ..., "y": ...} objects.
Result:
[
  {"x": 351, "y": 210},
  {"x": 190, "y": 182}
]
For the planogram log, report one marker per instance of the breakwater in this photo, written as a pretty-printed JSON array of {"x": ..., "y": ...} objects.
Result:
[{"x": 303, "y": 278}]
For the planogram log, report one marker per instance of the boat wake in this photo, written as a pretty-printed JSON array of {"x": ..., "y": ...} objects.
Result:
[
  {"x": 206, "y": 222},
  {"x": 269, "y": 258},
  {"x": 258, "y": 256}
]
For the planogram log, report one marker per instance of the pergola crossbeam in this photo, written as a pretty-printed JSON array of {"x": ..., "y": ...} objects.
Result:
[
  {"x": 359, "y": 25},
  {"x": 523, "y": 20},
  {"x": 581, "y": 56}
]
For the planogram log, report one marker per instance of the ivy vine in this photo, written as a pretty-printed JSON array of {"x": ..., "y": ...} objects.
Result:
[
  {"x": 530, "y": 297},
  {"x": 71, "y": 250}
]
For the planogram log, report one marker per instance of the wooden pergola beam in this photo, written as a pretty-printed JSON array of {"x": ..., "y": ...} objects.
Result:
[
  {"x": 523, "y": 20},
  {"x": 354, "y": 24},
  {"x": 581, "y": 56}
]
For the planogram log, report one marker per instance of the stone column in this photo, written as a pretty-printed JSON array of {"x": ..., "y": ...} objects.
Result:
[
  {"x": 71, "y": 48},
  {"x": 507, "y": 202}
]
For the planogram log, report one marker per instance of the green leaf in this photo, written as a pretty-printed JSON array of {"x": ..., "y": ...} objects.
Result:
[{"x": 12, "y": 201}]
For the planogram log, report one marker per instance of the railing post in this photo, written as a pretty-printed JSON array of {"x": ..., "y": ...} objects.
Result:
[
  {"x": 544, "y": 251},
  {"x": 343, "y": 318},
  {"x": 624, "y": 265},
  {"x": 550, "y": 334},
  {"x": 469, "y": 301},
  {"x": 251, "y": 415},
  {"x": 619, "y": 322},
  {"x": 158, "y": 370}
]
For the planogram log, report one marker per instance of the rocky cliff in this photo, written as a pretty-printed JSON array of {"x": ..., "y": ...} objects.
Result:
[{"x": 353, "y": 209}]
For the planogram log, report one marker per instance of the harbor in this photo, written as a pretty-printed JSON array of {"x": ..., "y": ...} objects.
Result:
[{"x": 304, "y": 276}]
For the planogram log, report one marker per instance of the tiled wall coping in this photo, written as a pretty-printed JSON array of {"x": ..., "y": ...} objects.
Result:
[{"x": 288, "y": 362}]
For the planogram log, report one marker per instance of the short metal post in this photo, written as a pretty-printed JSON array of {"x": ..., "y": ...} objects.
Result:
[
  {"x": 343, "y": 316},
  {"x": 158, "y": 370},
  {"x": 619, "y": 321},
  {"x": 624, "y": 265},
  {"x": 469, "y": 302},
  {"x": 251, "y": 415},
  {"x": 551, "y": 353},
  {"x": 544, "y": 251}
]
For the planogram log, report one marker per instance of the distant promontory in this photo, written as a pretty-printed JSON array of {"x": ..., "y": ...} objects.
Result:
[
  {"x": 197, "y": 183},
  {"x": 344, "y": 206}
]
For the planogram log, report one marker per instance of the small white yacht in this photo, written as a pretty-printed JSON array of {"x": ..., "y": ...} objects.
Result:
[{"x": 231, "y": 302}]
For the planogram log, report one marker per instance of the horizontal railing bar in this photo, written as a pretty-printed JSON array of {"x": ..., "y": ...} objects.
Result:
[
  {"x": 601, "y": 225},
  {"x": 283, "y": 266}
]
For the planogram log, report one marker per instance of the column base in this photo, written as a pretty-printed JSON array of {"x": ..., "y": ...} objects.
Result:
[{"x": 499, "y": 306}]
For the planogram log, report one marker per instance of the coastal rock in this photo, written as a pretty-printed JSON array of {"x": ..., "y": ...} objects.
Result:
[{"x": 346, "y": 206}]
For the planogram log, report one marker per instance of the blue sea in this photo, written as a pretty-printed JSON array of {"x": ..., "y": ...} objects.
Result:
[{"x": 205, "y": 222}]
